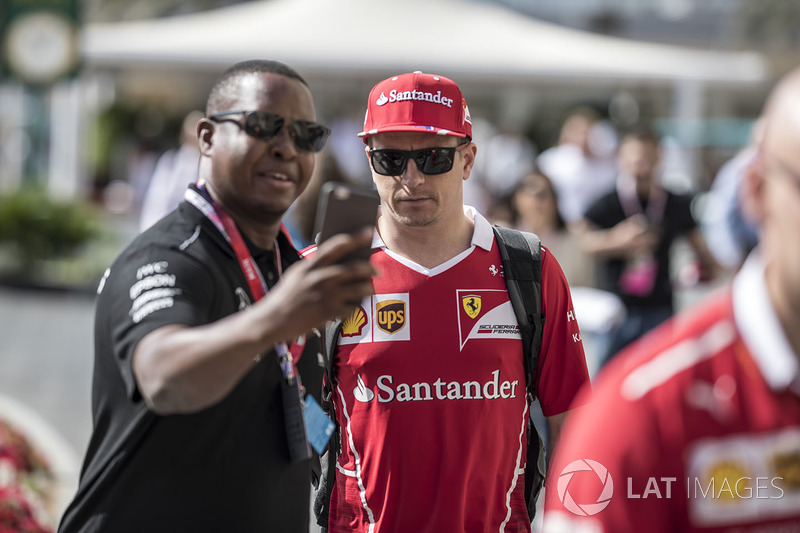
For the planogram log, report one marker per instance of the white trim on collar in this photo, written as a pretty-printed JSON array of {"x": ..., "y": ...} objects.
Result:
[
  {"x": 483, "y": 235},
  {"x": 755, "y": 318}
]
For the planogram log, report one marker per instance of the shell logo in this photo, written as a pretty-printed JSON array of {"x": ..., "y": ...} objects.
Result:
[
  {"x": 354, "y": 324},
  {"x": 585, "y": 509}
]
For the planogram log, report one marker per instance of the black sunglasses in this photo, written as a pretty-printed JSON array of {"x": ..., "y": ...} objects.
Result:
[
  {"x": 263, "y": 125},
  {"x": 390, "y": 162}
]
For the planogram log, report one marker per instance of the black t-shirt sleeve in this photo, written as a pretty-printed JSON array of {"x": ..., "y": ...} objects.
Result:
[
  {"x": 681, "y": 213},
  {"x": 605, "y": 212},
  {"x": 148, "y": 289}
]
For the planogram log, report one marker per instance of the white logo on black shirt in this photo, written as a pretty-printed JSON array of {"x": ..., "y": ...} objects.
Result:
[
  {"x": 103, "y": 280},
  {"x": 154, "y": 290},
  {"x": 244, "y": 300}
]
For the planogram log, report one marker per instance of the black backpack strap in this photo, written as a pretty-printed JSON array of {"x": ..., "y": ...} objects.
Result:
[
  {"x": 324, "y": 486},
  {"x": 329, "y": 340},
  {"x": 522, "y": 268}
]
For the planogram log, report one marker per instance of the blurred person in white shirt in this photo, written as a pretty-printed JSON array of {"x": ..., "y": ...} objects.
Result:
[{"x": 582, "y": 165}]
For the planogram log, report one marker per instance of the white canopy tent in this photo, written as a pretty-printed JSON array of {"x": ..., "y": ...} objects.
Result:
[
  {"x": 344, "y": 46},
  {"x": 464, "y": 39}
]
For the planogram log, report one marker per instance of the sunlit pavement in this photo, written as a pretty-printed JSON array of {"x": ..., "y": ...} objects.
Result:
[{"x": 46, "y": 357}]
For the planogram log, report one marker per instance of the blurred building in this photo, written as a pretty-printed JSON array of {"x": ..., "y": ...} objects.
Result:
[{"x": 767, "y": 25}]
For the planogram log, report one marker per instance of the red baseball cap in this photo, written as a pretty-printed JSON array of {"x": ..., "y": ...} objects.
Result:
[{"x": 417, "y": 102}]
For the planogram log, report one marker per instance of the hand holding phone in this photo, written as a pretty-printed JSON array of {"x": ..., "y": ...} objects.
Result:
[{"x": 346, "y": 209}]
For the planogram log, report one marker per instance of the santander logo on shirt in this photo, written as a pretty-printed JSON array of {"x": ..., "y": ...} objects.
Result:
[
  {"x": 362, "y": 393},
  {"x": 386, "y": 390}
]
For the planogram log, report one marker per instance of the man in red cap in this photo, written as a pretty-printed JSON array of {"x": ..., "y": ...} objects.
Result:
[{"x": 429, "y": 381}]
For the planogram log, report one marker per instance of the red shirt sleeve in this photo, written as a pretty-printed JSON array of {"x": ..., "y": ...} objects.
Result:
[{"x": 561, "y": 369}]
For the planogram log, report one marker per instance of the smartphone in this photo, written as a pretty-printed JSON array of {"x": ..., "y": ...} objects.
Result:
[{"x": 345, "y": 209}]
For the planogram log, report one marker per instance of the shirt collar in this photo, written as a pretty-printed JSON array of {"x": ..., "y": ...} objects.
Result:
[
  {"x": 755, "y": 318},
  {"x": 482, "y": 235}
]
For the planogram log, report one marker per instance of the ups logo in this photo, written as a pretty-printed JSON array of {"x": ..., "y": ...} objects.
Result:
[{"x": 391, "y": 315}]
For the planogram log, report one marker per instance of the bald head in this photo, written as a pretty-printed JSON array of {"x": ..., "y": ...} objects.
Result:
[
  {"x": 773, "y": 199},
  {"x": 782, "y": 122}
]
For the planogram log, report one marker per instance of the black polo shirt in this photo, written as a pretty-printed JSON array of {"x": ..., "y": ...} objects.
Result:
[
  {"x": 225, "y": 468},
  {"x": 677, "y": 220}
]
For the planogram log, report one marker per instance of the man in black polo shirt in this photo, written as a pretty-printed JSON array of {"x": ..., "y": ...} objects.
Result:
[
  {"x": 631, "y": 230},
  {"x": 200, "y": 323}
]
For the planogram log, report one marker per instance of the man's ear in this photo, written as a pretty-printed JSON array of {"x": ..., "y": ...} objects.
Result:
[
  {"x": 205, "y": 136},
  {"x": 369, "y": 163},
  {"x": 468, "y": 155},
  {"x": 658, "y": 155},
  {"x": 751, "y": 190}
]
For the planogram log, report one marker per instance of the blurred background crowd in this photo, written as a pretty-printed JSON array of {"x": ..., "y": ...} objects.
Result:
[{"x": 98, "y": 100}]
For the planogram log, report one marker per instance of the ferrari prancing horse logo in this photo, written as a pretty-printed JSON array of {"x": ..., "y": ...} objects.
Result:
[{"x": 471, "y": 304}]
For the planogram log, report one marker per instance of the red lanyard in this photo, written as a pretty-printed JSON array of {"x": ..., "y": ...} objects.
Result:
[
  {"x": 255, "y": 280},
  {"x": 258, "y": 287}
]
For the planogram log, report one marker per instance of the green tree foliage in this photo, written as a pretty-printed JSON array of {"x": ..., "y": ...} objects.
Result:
[{"x": 34, "y": 227}]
